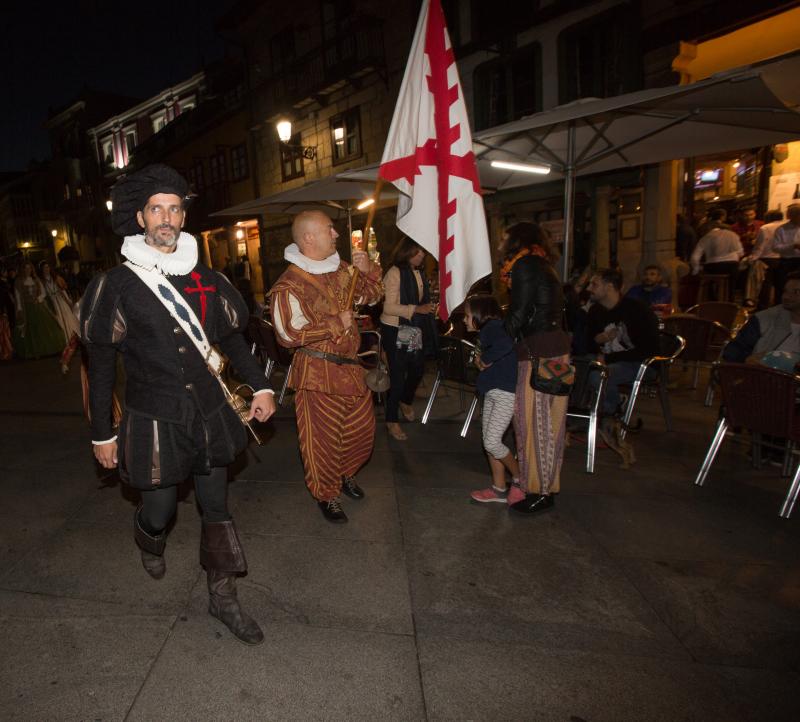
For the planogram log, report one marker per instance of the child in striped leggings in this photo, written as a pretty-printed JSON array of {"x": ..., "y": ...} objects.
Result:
[{"x": 497, "y": 382}]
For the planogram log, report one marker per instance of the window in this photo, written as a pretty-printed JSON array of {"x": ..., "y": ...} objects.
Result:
[
  {"x": 196, "y": 176},
  {"x": 159, "y": 121},
  {"x": 508, "y": 88},
  {"x": 185, "y": 104},
  {"x": 130, "y": 141},
  {"x": 346, "y": 136},
  {"x": 216, "y": 167},
  {"x": 108, "y": 151},
  {"x": 337, "y": 18},
  {"x": 292, "y": 158},
  {"x": 601, "y": 57},
  {"x": 239, "y": 169},
  {"x": 281, "y": 50}
]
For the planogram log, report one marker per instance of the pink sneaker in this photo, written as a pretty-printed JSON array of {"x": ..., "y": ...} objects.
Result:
[
  {"x": 490, "y": 495},
  {"x": 515, "y": 494}
]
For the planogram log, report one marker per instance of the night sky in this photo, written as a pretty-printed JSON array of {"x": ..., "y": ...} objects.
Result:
[{"x": 49, "y": 52}]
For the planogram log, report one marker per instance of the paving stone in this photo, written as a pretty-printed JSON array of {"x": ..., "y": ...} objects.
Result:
[
  {"x": 737, "y": 614},
  {"x": 300, "y": 672},
  {"x": 482, "y": 681},
  {"x": 323, "y": 582},
  {"x": 100, "y": 563},
  {"x": 543, "y": 595},
  {"x": 80, "y": 667},
  {"x": 289, "y": 510}
]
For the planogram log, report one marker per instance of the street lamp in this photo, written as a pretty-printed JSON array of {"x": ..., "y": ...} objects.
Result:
[
  {"x": 284, "y": 128},
  {"x": 109, "y": 205},
  {"x": 54, "y": 233}
]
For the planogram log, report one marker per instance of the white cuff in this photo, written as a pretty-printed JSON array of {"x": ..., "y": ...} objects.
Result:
[
  {"x": 107, "y": 441},
  {"x": 264, "y": 391}
]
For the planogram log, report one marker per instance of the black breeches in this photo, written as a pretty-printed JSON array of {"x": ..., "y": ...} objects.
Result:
[{"x": 158, "y": 505}]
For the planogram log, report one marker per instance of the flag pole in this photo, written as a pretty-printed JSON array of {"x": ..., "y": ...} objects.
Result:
[{"x": 351, "y": 292}]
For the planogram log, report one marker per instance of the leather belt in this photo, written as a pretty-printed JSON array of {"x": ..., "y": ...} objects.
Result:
[{"x": 331, "y": 357}]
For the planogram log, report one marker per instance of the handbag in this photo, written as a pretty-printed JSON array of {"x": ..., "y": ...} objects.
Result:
[
  {"x": 186, "y": 318},
  {"x": 409, "y": 338},
  {"x": 551, "y": 376}
]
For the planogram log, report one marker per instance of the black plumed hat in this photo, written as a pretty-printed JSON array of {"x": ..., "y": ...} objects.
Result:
[{"x": 131, "y": 193}]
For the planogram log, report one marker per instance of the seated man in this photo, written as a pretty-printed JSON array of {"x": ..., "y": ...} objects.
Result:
[
  {"x": 624, "y": 332},
  {"x": 651, "y": 290},
  {"x": 774, "y": 329}
]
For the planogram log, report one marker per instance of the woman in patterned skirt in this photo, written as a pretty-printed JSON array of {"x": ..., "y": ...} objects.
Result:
[{"x": 534, "y": 322}]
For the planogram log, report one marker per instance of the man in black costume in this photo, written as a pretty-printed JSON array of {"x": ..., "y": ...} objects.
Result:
[{"x": 176, "y": 420}]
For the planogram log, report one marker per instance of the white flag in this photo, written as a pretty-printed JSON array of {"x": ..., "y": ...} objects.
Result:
[{"x": 428, "y": 157}]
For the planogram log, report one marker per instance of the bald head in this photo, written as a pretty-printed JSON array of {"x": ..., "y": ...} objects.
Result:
[{"x": 314, "y": 234}]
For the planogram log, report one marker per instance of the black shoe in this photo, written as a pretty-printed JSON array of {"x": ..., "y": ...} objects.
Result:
[
  {"x": 353, "y": 490},
  {"x": 533, "y": 503},
  {"x": 332, "y": 511}
]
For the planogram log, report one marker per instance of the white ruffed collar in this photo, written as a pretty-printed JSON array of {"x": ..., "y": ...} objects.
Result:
[
  {"x": 178, "y": 263},
  {"x": 292, "y": 254}
]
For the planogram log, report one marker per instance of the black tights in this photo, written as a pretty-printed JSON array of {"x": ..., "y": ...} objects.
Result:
[{"x": 158, "y": 505}]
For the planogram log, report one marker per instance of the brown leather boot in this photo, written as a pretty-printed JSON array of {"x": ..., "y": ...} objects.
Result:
[
  {"x": 222, "y": 555},
  {"x": 152, "y": 548}
]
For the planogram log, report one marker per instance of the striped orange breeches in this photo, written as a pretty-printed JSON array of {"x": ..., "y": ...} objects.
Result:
[{"x": 336, "y": 436}]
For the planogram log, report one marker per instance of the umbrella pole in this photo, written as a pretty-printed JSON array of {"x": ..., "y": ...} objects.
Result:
[{"x": 569, "y": 202}]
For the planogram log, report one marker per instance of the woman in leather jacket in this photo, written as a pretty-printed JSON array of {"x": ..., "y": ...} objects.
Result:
[{"x": 534, "y": 322}]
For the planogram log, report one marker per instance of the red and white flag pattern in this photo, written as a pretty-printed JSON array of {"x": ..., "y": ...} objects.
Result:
[{"x": 428, "y": 157}]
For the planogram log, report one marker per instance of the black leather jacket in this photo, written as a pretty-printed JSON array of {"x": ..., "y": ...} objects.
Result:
[{"x": 537, "y": 300}]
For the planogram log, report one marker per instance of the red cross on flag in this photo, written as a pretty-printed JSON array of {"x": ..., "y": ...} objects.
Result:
[{"x": 428, "y": 157}]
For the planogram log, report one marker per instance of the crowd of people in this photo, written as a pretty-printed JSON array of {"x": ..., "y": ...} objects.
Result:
[
  {"x": 167, "y": 313},
  {"x": 754, "y": 255}
]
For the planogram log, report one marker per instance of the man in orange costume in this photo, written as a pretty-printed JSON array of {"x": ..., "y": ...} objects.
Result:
[{"x": 335, "y": 418}]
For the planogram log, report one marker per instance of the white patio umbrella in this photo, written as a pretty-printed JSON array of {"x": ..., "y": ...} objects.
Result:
[
  {"x": 743, "y": 108},
  {"x": 330, "y": 192}
]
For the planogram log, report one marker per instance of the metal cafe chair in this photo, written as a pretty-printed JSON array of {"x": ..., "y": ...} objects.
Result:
[
  {"x": 454, "y": 364},
  {"x": 702, "y": 338},
  {"x": 670, "y": 347},
  {"x": 584, "y": 402},
  {"x": 723, "y": 312},
  {"x": 765, "y": 402},
  {"x": 265, "y": 345}
]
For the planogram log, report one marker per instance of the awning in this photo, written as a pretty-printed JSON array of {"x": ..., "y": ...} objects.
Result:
[{"x": 325, "y": 193}]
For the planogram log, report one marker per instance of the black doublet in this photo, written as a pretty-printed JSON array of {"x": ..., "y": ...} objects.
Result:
[{"x": 176, "y": 419}]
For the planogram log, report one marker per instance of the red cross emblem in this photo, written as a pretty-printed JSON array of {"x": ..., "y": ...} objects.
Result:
[
  {"x": 199, "y": 288},
  {"x": 438, "y": 151}
]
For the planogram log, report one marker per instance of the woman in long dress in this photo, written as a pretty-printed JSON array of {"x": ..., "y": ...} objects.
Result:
[
  {"x": 59, "y": 301},
  {"x": 61, "y": 305},
  {"x": 535, "y": 322},
  {"x": 36, "y": 332}
]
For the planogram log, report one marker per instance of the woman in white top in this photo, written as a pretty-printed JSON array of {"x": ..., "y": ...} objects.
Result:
[{"x": 406, "y": 303}]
